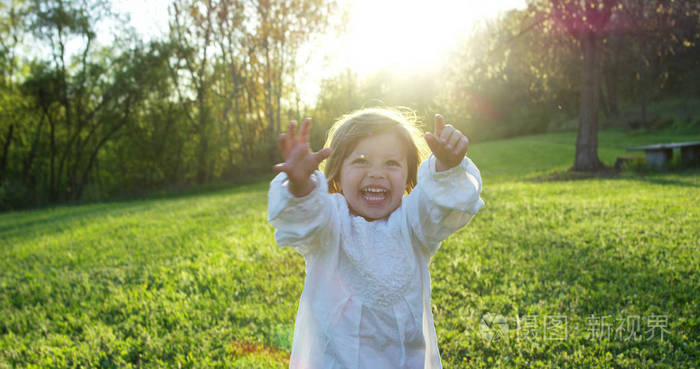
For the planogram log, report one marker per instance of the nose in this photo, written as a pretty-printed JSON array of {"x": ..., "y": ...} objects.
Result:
[{"x": 375, "y": 173}]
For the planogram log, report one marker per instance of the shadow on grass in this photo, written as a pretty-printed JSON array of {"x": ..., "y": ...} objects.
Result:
[
  {"x": 39, "y": 220},
  {"x": 570, "y": 175},
  {"x": 643, "y": 175},
  {"x": 64, "y": 216},
  {"x": 616, "y": 281},
  {"x": 612, "y": 280},
  {"x": 585, "y": 283}
]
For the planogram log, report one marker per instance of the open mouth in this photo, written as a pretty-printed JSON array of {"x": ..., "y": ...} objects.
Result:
[{"x": 374, "y": 194}]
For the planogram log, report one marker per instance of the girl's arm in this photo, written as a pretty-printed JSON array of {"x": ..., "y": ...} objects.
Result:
[
  {"x": 448, "y": 192},
  {"x": 299, "y": 206}
]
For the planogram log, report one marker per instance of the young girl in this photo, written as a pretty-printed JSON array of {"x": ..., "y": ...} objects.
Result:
[{"x": 366, "y": 298}]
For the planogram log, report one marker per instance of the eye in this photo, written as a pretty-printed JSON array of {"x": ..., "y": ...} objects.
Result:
[
  {"x": 359, "y": 161},
  {"x": 393, "y": 163}
]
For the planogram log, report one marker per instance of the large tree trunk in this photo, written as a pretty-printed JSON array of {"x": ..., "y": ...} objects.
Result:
[
  {"x": 587, "y": 140},
  {"x": 611, "y": 74},
  {"x": 603, "y": 100}
]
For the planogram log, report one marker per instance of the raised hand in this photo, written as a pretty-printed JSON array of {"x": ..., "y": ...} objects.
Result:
[
  {"x": 447, "y": 143},
  {"x": 299, "y": 161}
]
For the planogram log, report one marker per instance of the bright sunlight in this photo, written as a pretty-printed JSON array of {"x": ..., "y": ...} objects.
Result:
[{"x": 408, "y": 35}]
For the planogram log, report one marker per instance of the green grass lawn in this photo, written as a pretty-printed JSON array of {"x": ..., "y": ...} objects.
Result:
[{"x": 197, "y": 280}]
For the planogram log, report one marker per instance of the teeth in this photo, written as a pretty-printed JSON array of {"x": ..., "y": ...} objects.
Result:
[
  {"x": 376, "y": 190},
  {"x": 373, "y": 197},
  {"x": 374, "y": 194}
]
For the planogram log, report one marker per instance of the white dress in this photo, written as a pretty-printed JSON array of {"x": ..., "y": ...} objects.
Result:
[{"x": 366, "y": 297}]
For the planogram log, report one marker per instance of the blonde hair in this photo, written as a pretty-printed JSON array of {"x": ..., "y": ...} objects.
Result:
[{"x": 347, "y": 132}]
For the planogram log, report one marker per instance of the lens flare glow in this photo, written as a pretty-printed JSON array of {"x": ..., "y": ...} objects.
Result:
[{"x": 409, "y": 35}]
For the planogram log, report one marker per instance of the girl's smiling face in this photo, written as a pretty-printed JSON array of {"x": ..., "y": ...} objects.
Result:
[{"x": 373, "y": 177}]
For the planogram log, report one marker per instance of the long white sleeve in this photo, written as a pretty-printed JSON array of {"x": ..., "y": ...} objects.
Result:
[
  {"x": 442, "y": 202},
  {"x": 298, "y": 221}
]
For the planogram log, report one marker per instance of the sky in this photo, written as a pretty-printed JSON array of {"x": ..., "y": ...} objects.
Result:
[{"x": 407, "y": 36}]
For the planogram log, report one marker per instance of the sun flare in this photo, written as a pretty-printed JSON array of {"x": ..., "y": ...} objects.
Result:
[
  {"x": 409, "y": 36},
  {"x": 405, "y": 37}
]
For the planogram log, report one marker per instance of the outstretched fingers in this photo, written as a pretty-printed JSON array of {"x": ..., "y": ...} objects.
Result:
[
  {"x": 281, "y": 167},
  {"x": 291, "y": 131},
  {"x": 294, "y": 146},
  {"x": 461, "y": 147},
  {"x": 447, "y": 143},
  {"x": 432, "y": 142},
  {"x": 439, "y": 125},
  {"x": 282, "y": 143},
  {"x": 453, "y": 139},
  {"x": 304, "y": 133},
  {"x": 286, "y": 140},
  {"x": 321, "y": 155},
  {"x": 435, "y": 140}
]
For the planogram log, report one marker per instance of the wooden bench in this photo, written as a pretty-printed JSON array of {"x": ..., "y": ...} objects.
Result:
[{"x": 660, "y": 154}]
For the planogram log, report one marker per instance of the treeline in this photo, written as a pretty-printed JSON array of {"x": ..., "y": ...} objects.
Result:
[
  {"x": 82, "y": 121},
  {"x": 554, "y": 65},
  {"x": 204, "y": 104}
]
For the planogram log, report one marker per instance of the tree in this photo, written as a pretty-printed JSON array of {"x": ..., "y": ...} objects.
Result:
[
  {"x": 86, "y": 97},
  {"x": 656, "y": 30},
  {"x": 505, "y": 80},
  {"x": 232, "y": 71},
  {"x": 229, "y": 35},
  {"x": 281, "y": 27},
  {"x": 191, "y": 29},
  {"x": 13, "y": 19},
  {"x": 586, "y": 21}
]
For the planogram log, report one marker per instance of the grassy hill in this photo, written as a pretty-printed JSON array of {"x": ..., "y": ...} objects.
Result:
[{"x": 584, "y": 273}]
